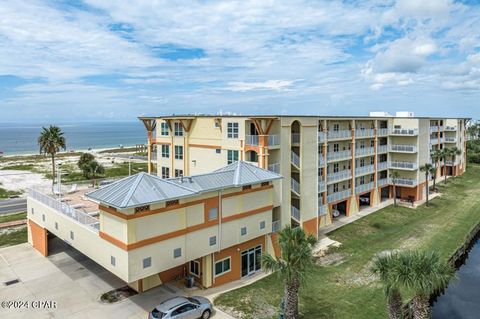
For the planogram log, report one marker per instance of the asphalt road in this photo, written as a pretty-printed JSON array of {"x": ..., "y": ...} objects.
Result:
[{"x": 14, "y": 205}]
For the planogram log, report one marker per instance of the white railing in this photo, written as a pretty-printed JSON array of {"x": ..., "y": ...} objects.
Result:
[
  {"x": 331, "y": 156},
  {"x": 322, "y": 210},
  {"x": 405, "y": 181},
  {"x": 364, "y": 187},
  {"x": 321, "y": 137},
  {"x": 295, "y": 138},
  {"x": 273, "y": 140},
  {"x": 382, "y": 181},
  {"x": 410, "y": 132},
  {"x": 295, "y": 186},
  {"x": 450, "y": 139},
  {"x": 295, "y": 213},
  {"x": 345, "y": 174},
  {"x": 403, "y": 148},
  {"x": 450, "y": 128},
  {"x": 276, "y": 225},
  {"x": 382, "y": 148},
  {"x": 275, "y": 167},
  {"x": 364, "y": 132},
  {"x": 251, "y": 140},
  {"x": 341, "y": 134},
  {"x": 338, "y": 196},
  {"x": 321, "y": 185},
  {"x": 434, "y": 129},
  {"x": 362, "y": 170},
  {"x": 321, "y": 160},
  {"x": 65, "y": 209},
  {"x": 366, "y": 151},
  {"x": 295, "y": 159},
  {"x": 382, "y": 132},
  {"x": 406, "y": 165},
  {"x": 382, "y": 165}
]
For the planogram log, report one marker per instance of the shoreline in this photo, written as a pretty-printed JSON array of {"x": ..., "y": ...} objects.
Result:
[{"x": 73, "y": 151}]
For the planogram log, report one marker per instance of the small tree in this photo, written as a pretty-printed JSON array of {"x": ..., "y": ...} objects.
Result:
[
  {"x": 453, "y": 153},
  {"x": 85, "y": 159},
  {"x": 293, "y": 265},
  {"x": 92, "y": 170},
  {"x": 394, "y": 176},
  {"x": 427, "y": 168},
  {"x": 383, "y": 267},
  {"x": 51, "y": 141}
]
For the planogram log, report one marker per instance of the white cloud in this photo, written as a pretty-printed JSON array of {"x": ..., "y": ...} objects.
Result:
[{"x": 274, "y": 85}]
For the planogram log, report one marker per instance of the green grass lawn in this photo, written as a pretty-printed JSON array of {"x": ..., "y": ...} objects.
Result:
[
  {"x": 347, "y": 290},
  {"x": 13, "y": 237},
  {"x": 11, "y": 217},
  {"x": 4, "y": 193},
  {"x": 19, "y": 167}
]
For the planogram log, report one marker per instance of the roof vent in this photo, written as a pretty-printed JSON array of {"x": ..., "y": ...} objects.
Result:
[
  {"x": 11, "y": 282},
  {"x": 190, "y": 180}
]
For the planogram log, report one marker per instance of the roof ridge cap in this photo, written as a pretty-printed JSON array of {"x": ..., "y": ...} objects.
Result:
[{"x": 133, "y": 188}]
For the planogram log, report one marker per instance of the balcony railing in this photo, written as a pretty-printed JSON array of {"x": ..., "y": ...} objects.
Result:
[
  {"x": 332, "y": 156},
  {"x": 295, "y": 159},
  {"x": 405, "y": 181},
  {"x": 450, "y": 139},
  {"x": 66, "y": 210},
  {"x": 273, "y": 140},
  {"x": 450, "y": 128},
  {"x": 321, "y": 185},
  {"x": 382, "y": 182},
  {"x": 409, "y": 132},
  {"x": 341, "y": 134},
  {"x": 321, "y": 137},
  {"x": 362, "y": 170},
  {"x": 366, "y": 151},
  {"x": 338, "y": 176},
  {"x": 403, "y": 165},
  {"x": 295, "y": 138},
  {"x": 295, "y": 186},
  {"x": 339, "y": 196},
  {"x": 295, "y": 213},
  {"x": 435, "y": 128},
  {"x": 276, "y": 225},
  {"x": 403, "y": 148},
  {"x": 321, "y": 160},
  {"x": 382, "y": 149},
  {"x": 364, "y": 187},
  {"x": 275, "y": 167},
  {"x": 382, "y": 166},
  {"x": 382, "y": 132},
  {"x": 322, "y": 210},
  {"x": 364, "y": 133},
  {"x": 251, "y": 140}
]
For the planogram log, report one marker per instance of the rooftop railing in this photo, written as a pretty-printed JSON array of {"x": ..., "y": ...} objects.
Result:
[
  {"x": 364, "y": 187},
  {"x": 403, "y": 148},
  {"x": 366, "y": 151},
  {"x": 362, "y": 170},
  {"x": 332, "y": 156},
  {"x": 403, "y": 165},
  {"x": 338, "y": 176},
  {"x": 339, "y": 196},
  {"x": 409, "y": 132},
  {"x": 341, "y": 134},
  {"x": 364, "y": 133}
]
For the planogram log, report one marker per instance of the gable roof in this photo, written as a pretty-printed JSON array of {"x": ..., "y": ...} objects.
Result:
[{"x": 142, "y": 188}]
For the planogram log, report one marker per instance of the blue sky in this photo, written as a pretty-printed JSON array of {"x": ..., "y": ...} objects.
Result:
[{"x": 97, "y": 60}]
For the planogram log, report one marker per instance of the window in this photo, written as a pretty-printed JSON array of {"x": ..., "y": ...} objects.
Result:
[
  {"x": 212, "y": 240},
  {"x": 172, "y": 203},
  {"x": 335, "y": 187},
  {"x": 33, "y": 211},
  {"x": 112, "y": 260},
  {"x": 372, "y": 143},
  {"x": 222, "y": 266},
  {"x": 56, "y": 225},
  {"x": 72, "y": 235},
  {"x": 335, "y": 167},
  {"x": 164, "y": 129},
  {"x": 147, "y": 262},
  {"x": 177, "y": 252},
  {"x": 362, "y": 162},
  {"x": 336, "y": 127},
  {"x": 178, "y": 152},
  {"x": 217, "y": 124},
  {"x": 262, "y": 224},
  {"x": 243, "y": 231},
  {"x": 212, "y": 213},
  {"x": 232, "y": 156},
  {"x": 177, "y": 129},
  {"x": 218, "y": 150},
  {"x": 232, "y": 130},
  {"x": 362, "y": 180},
  {"x": 165, "y": 172},
  {"x": 43, "y": 217},
  {"x": 335, "y": 147},
  {"x": 372, "y": 178},
  {"x": 165, "y": 151},
  {"x": 182, "y": 309},
  {"x": 195, "y": 268},
  {"x": 178, "y": 172}
]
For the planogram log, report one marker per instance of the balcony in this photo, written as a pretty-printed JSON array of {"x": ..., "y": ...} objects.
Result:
[
  {"x": 382, "y": 182},
  {"x": 275, "y": 167},
  {"x": 364, "y": 187},
  {"x": 382, "y": 166},
  {"x": 403, "y": 148},
  {"x": 66, "y": 210},
  {"x": 295, "y": 212},
  {"x": 322, "y": 210},
  {"x": 340, "y": 155},
  {"x": 334, "y": 197},
  {"x": 295, "y": 159},
  {"x": 436, "y": 128},
  {"x": 295, "y": 138},
  {"x": 382, "y": 149},
  {"x": 382, "y": 132},
  {"x": 450, "y": 140},
  {"x": 405, "y": 182},
  {"x": 450, "y": 128},
  {"x": 321, "y": 184},
  {"x": 254, "y": 140},
  {"x": 363, "y": 170},
  {"x": 404, "y": 132},
  {"x": 366, "y": 151},
  {"x": 321, "y": 137},
  {"x": 321, "y": 160},
  {"x": 295, "y": 186},
  {"x": 341, "y": 134},
  {"x": 339, "y": 176},
  {"x": 273, "y": 140},
  {"x": 276, "y": 226},
  {"x": 404, "y": 165},
  {"x": 364, "y": 133}
]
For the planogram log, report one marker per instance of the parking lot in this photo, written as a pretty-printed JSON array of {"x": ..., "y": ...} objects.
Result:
[{"x": 72, "y": 282}]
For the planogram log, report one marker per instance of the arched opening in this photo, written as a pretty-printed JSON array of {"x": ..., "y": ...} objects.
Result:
[{"x": 251, "y": 156}]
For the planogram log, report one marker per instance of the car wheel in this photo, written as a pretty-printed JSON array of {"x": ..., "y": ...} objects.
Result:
[{"x": 206, "y": 314}]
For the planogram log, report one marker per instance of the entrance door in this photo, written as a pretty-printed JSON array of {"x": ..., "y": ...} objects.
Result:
[{"x": 251, "y": 260}]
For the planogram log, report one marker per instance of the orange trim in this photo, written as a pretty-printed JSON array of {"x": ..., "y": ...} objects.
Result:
[
  {"x": 205, "y": 146},
  {"x": 39, "y": 237},
  {"x": 180, "y": 232}
]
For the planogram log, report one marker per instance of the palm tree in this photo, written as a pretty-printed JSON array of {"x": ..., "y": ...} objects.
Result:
[
  {"x": 427, "y": 168},
  {"x": 51, "y": 140},
  {"x": 454, "y": 152},
  {"x": 383, "y": 267},
  {"x": 293, "y": 264},
  {"x": 435, "y": 155},
  {"x": 92, "y": 170},
  {"x": 394, "y": 176},
  {"x": 443, "y": 153},
  {"x": 422, "y": 274}
]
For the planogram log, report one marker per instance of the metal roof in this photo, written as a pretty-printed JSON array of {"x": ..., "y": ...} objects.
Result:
[
  {"x": 142, "y": 188},
  {"x": 324, "y": 117}
]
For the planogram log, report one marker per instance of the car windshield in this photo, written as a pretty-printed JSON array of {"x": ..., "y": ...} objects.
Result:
[
  {"x": 157, "y": 314},
  {"x": 194, "y": 301}
]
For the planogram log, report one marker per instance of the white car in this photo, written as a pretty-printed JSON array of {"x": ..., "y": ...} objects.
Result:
[{"x": 182, "y": 308}]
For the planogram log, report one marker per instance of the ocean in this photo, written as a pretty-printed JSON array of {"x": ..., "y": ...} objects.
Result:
[{"x": 17, "y": 138}]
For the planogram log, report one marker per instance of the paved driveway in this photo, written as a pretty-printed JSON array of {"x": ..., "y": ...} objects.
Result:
[{"x": 73, "y": 281}]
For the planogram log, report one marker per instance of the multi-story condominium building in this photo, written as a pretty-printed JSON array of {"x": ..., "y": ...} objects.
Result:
[
  {"x": 331, "y": 165},
  {"x": 147, "y": 230}
]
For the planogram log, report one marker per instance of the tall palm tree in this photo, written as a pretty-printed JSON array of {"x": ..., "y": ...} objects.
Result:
[
  {"x": 383, "y": 266},
  {"x": 394, "y": 176},
  {"x": 427, "y": 168},
  {"x": 51, "y": 141},
  {"x": 422, "y": 274},
  {"x": 454, "y": 152},
  {"x": 443, "y": 153},
  {"x": 435, "y": 155},
  {"x": 293, "y": 264}
]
